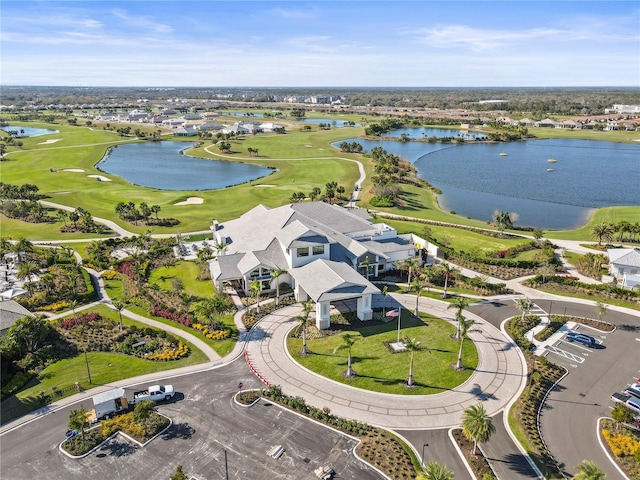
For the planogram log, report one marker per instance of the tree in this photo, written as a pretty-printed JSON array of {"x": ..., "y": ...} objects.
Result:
[
  {"x": 418, "y": 285},
  {"x": 315, "y": 193},
  {"x": 142, "y": 413},
  {"x": 601, "y": 310},
  {"x": 413, "y": 346},
  {"x": 622, "y": 414},
  {"x": 156, "y": 209},
  {"x": 275, "y": 274},
  {"x": 385, "y": 294},
  {"x": 28, "y": 334},
  {"x": 119, "y": 306},
  {"x": 588, "y": 470},
  {"x": 348, "y": 340},
  {"x": 464, "y": 326},
  {"x": 447, "y": 272},
  {"x": 525, "y": 306},
  {"x": 477, "y": 426},
  {"x": 179, "y": 474},
  {"x": 408, "y": 264},
  {"x": 459, "y": 303},
  {"x": 436, "y": 471},
  {"x": 602, "y": 231},
  {"x": 27, "y": 271},
  {"x": 303, "y": 323},
  {"x": 255, "y": 289},
  {"x": 504, "y": 220},
  {"x": 78, "y": 421},
  {"x": 211, "y": 309}
]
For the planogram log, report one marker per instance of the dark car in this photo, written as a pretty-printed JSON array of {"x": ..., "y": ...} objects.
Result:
[{"x": 583, "y": 338}]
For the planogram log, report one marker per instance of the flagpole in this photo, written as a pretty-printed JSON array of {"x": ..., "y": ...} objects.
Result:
[{"x": 399, "y": 315}]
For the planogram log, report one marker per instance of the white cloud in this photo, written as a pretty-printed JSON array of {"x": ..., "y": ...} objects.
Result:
[
  {"x": 142, "y": 22},
  {"x": 294, "y": 13}
]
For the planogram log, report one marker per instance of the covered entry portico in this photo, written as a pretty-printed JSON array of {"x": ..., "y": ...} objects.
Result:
[{"x": 326, "y": 281}]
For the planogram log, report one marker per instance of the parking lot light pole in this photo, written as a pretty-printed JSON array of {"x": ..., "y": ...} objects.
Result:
[{"x": 423, "y": 445}]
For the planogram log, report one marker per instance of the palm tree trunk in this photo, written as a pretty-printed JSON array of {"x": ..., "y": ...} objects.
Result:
[
  {"x": 459, "y": 364},
  {"x": 349, "y": 372},
  {"x": 410, "y": 381}
]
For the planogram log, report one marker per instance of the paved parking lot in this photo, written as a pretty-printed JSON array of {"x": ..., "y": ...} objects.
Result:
[
  {"x": 569, "y": 418},
  {"x": 206, "y": 423}
]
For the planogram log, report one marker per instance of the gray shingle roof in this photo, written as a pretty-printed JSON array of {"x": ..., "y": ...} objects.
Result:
[{"x": 325, "y": 280}]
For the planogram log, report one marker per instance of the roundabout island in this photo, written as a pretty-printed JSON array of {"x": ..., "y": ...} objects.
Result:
[{"x": 498, "y": 378}]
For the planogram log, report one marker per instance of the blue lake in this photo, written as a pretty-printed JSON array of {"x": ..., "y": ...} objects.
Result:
[
  {"x": 476, "y": 180},
  {"x": 426, "y": 132},
  {"x": 161, "y": 165},
  {"x": 28, "y": 131}
]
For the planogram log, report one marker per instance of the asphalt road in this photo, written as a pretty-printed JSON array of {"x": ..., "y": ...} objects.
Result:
[
  {"x": 569, "y": 417},
  {"x": 206, "y": 423},
  {"x": 438, "y": 447}
]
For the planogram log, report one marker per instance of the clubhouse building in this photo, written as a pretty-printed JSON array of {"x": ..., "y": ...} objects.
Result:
[{"x": 325, "y": 252}]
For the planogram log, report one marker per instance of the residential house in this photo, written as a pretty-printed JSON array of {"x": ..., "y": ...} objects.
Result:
[
  {"x": 327, "y": 253},
  {"x": 547, "y": 123},
  {"x": 624, "y": 266}
]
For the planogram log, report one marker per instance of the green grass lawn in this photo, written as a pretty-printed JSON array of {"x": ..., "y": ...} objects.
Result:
[
  {"x": 382, "y": 371},
  {"x": 104, "y": 368},
  {"x": 187, "y": 272}
]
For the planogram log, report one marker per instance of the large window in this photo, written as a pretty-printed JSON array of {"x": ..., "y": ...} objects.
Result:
[
  {"x": 318, "y": 249},
  {"x": 302, "y": 252}
]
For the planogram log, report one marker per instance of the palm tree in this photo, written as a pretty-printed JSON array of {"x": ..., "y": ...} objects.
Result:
[
  {"x": 525, "y": 306},
  {"x": 588, "y": 470},
  {"x": 436, "y": 471},
  {"x": 303, "y": 323},
  {"x": 460, "y": 303},
  {"x": 119, "y": 306},
  {"x": 348, "y": 340},
  {"x": 409, "y": 264},
  {"x": 275, "y": 274},
  {"x": 385, "y": 294},
  {"x": 418, "y": 285},
  {"x": 464, "y": 326},
  {"x": 413, "y": 346},
  {"x": 27, "y": 271},
  {"x": 602, "y": 231},
  {"x": 255, "y": 289},
  {"x": 477, "y": 426},
  {"x": 601, "y": 310},
  {"x": 210, "y": 309},
  {"x": 447, "y": 271}
]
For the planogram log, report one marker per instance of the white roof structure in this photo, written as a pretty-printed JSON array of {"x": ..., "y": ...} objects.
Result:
[
  {"x": 269, "y": 239},
  {"x": 108, "y": 396},
  {"x": 624, "y": 257}
]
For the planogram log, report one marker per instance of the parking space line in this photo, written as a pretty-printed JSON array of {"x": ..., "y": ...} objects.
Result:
[
  {"x": 577, "y": 346},
  {"x": 563, "y": 353}
]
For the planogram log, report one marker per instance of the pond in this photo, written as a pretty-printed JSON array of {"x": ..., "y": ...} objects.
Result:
[
  {"x": 479, "y": 178},
  {"x": 427, "y": 132},
  {"x": 22, "y": 131},
  {"x": 162, "y": 165}
]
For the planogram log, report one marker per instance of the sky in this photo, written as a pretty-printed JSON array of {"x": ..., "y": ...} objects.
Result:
[{"x": 295, "y": 43}]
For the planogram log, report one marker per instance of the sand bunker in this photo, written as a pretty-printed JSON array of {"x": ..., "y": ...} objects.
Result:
[
  {"x": 51, "y": 140},
  {"x": 191, "y": 201},
  {"x": 75, "y": 170},
  {"x": 264, "y": 185},
  {"x": 102, "y": 178}
]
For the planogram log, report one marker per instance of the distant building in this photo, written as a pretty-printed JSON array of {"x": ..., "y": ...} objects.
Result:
[{"x": 617, "y": 108}]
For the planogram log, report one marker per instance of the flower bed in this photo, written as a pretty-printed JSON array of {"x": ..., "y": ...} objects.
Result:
[
  {"x": 215, "y": 334},
  {"x": 624, "y": 444}
]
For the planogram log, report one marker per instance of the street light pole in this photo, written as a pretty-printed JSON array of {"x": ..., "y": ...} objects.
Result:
[
  {"x": 226, "y": 467},
  {"x": 86, "y": 359},
  {"x": 423, "y": 445}
]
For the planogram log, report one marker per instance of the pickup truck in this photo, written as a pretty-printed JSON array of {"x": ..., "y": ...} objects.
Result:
[
  {"x": 154, "y": 392},
  {"x": 632, "y": 402}
]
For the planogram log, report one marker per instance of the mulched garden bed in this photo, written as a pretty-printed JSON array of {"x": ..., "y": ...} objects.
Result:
[{"x": 478, "y": 463}]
